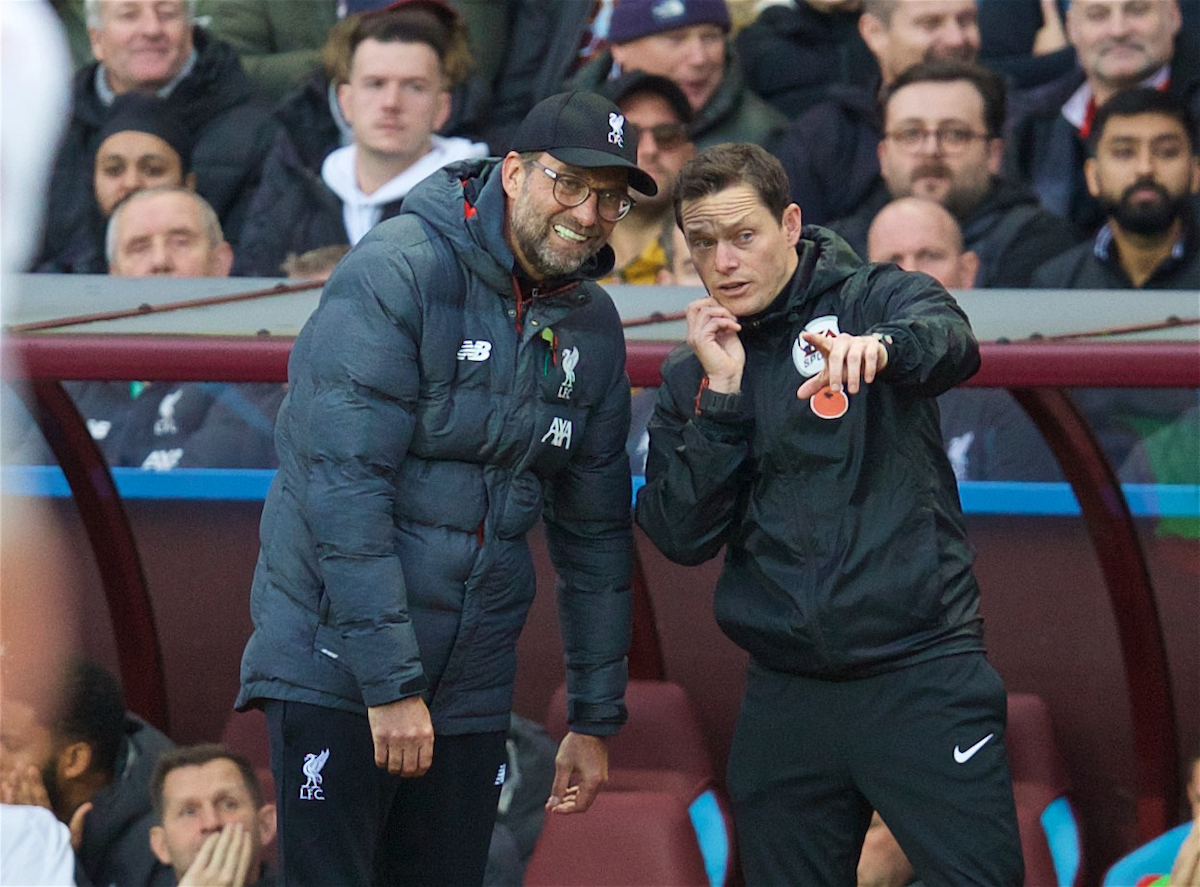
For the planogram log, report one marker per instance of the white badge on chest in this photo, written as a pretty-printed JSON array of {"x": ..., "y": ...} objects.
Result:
[{"x": 808, "y": 360}]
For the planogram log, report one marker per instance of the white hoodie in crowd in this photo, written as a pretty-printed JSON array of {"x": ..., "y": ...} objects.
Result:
[{"x": 362, "y": 212}]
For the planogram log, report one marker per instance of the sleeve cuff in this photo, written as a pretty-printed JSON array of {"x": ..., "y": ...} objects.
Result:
[
  {"x": 889, "y": 346},
  {"x": 715, "y": 405}
]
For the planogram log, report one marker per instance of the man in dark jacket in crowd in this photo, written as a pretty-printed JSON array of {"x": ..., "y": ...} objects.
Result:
[
  {"x": 460, "y": 378},
  {"x": 140, "y": 144},
  {"x": 313, "y": 127},
  {"x": 152, "y": 46},
  {"x": 794, "y": 50},
  {"x": 830, "y": 152},
  {"x": 1144, "y": 171},
  {"x": 95, "y": 761},
  {"x": 544, "y": 43},
  {"x": 686, "y": 41},
  {"x": 798, "y": 430},
  {"x": 280, "y": 43},
  {"x": 943, "y": 125},
  {"x": 1120, "y": 44}
]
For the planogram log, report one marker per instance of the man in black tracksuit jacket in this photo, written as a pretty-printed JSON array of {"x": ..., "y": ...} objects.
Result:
[{"x": 799, "y": 430}]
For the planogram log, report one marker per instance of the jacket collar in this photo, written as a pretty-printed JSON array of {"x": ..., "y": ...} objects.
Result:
[{"x": 106, "y": 95}]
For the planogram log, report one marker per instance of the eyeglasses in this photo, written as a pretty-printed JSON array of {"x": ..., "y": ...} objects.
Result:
[
  {"x": 950, "y": 139},
  {"x": 571, "y": 191},
  {"x": 668, "y": 136}
]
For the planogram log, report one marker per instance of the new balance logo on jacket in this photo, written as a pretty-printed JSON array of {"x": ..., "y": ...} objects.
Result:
[{"x": 475, "y": 349}]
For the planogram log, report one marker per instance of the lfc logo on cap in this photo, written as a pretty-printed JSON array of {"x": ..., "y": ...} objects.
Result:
[{"x": 617, "y": 122}]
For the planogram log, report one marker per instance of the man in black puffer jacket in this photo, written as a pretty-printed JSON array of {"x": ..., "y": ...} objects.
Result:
[
  {"x": 461, "y": 377},
  {"x": 155, "y": 48}
]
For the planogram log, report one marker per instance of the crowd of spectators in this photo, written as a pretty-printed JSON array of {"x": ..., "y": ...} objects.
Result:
[
  {"x": 136, "y": 810},
  {"x": 302, "y": 131}
]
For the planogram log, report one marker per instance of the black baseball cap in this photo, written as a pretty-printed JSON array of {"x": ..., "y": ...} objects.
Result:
[{"x": 585, "y": 130}]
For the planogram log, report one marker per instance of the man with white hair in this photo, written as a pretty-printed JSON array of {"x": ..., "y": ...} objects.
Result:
[
  {"x": 153, "y": 46},
  {"x": 166, "y": 232},
  {"x": 173, "y": 232}
]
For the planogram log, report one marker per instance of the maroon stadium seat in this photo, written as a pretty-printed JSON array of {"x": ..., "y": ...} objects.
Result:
[
  {"x": 1049, "y": 831},
  {"x": 662, "y": 749},
  {"x": 246, "y": 734},
  {"x": 663, "y": 731},
  {"x": 627, "y": 839}
]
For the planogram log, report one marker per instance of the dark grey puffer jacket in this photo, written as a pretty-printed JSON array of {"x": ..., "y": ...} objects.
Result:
[{"x": 424, "y": 433}]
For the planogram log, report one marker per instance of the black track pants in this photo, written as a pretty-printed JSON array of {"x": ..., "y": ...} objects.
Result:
[
  {"x": 924, "y": 745},
  {"x": 359, "y": 825}
]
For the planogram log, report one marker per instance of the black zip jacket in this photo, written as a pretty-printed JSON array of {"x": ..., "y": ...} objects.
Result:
[
  {"x": 846, "y": 552},
  {"x": 831, "y": 153}
]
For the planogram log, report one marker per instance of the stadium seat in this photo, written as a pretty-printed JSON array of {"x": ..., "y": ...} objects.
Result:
[
  {"x": 662, "y": 749},
  {"x": 626, "y": 839},
  {"x": 1050, "y": 841},
  {"x": 245, "y": 732},
  {"x": 663, "y": 731},
  {"x": 1155, "y": 857}
]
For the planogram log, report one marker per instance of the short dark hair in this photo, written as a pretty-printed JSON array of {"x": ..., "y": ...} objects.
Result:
[
  {"x": 1144, "y": 100},
  {"x": 92, "y": 711},
  {"x": 987, "y": 83},
  {"x": 198, "y": 756},
  {"x": 733, "y": 163},
  {"x": 415, "y": 27}
]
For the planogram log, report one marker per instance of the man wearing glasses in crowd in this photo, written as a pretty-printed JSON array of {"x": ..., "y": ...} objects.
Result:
[
  {"x": 660, "y": 111},
  {"x": 942, "y": 141},
  {"x": 461, "y": 377}
]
